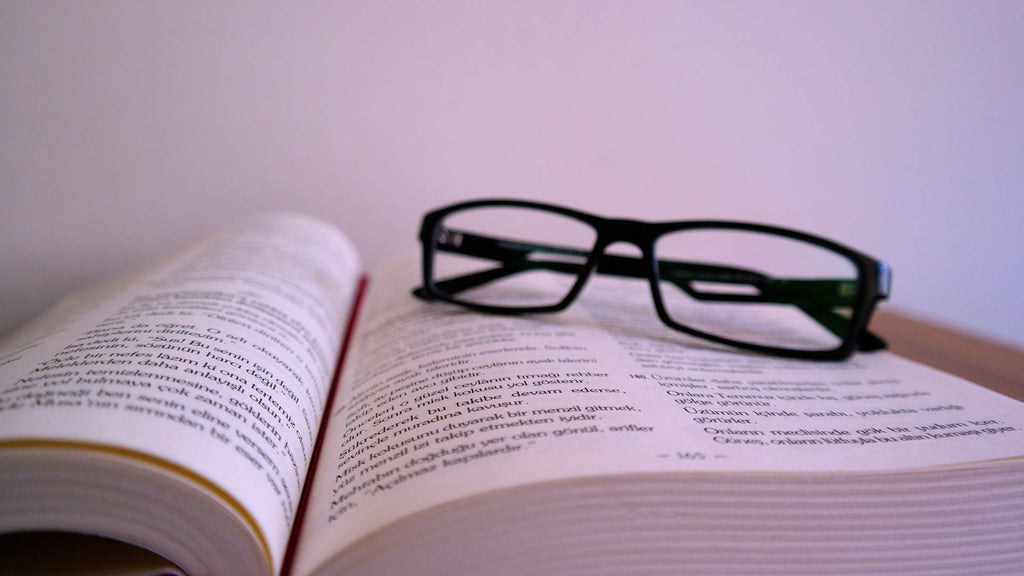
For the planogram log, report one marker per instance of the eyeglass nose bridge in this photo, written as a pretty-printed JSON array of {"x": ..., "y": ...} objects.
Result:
[
  {"x": 631, "y": 232},
  {"x": 635, "y": 232}
]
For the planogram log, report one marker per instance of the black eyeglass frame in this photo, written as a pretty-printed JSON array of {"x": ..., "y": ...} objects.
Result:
[{"x": 873, "y": 285}]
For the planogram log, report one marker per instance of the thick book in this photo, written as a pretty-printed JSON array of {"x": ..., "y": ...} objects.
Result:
[{"x": 259, "y": 405}]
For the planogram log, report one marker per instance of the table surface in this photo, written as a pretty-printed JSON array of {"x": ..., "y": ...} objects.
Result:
[{"x": 993, "y": 365}]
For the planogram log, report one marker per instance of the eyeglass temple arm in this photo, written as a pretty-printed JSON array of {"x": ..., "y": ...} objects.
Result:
[
  {"x": 514, "y": 257},
  {"x": 816, "y": 298}
]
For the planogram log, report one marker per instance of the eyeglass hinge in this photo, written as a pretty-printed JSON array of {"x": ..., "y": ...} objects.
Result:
[{"x": 884, "y": 280}]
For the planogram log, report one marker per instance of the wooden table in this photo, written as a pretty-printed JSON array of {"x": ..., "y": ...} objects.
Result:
[{"x": 995, "y": 366}]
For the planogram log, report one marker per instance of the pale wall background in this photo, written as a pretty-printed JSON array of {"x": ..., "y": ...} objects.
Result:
[{"x": 128, "y": 129}]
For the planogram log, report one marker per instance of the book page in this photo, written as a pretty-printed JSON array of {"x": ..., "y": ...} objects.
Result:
[
  {"x": 439, "y": 403},
  {"x": 218, "y": 362}
]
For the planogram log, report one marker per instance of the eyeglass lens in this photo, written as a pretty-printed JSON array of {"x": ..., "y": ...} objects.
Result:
[
  {"x": 510, "y": 257},
  {"x": 756, "y": 287}
]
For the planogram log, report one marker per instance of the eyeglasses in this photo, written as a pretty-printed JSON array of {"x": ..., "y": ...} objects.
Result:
[{"x": 750, "y": 286}]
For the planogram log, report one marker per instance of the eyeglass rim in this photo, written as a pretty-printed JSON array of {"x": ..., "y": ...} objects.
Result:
[{"x": 874, "y": 276}]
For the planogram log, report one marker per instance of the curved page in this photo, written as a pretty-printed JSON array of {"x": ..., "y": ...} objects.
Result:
[{"x": 217, "y": 362}]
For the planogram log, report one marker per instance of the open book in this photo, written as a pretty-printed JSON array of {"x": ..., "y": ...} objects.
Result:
[{"x": 198, "y": 410}]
